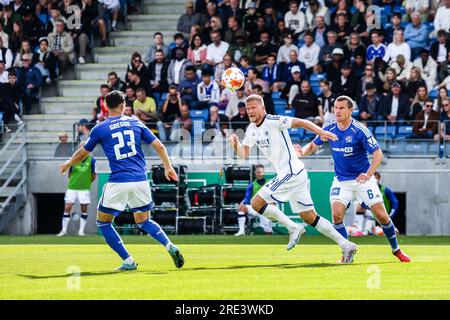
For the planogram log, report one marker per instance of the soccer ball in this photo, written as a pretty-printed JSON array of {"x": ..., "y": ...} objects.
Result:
[{"x": 233, "y": 79}]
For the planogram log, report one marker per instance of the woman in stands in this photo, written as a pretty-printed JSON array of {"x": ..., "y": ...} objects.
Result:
[
  {"x": 25, "y": 48},
  {"x": 442, "y": 94},
  {"x": 413, "y": 83},
  {"x": 388, "y": 79},
  {"x": 419, "y": 101}
]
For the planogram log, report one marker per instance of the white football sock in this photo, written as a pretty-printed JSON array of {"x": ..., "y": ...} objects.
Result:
[
  {"x": 326, "y": 228},
  {"x": 82, "y": 224},
  {"x": 273, "y": 213},
  {"x": 129, "y": 260},
  {"x": 65, "y": 221},
  {"x": 241, "y": 221}
]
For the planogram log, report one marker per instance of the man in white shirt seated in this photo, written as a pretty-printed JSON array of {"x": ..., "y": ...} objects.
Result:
[{"x": 216, "y": 50}]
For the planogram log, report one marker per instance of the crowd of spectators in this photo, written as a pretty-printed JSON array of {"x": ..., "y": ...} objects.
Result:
[
  {"x": 40, "y": 38},
  {"x": 307, "y": 52}
]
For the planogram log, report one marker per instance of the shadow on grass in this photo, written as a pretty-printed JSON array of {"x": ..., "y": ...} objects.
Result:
[{"x": 83, "y": 274}]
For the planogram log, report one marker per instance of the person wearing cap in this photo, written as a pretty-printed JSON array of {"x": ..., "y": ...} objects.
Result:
[
  {"x": 83, "y": 129},
  {"x": 240, "y": 120},
  {"x": 396, "y": 105},
  {"x": 428, "y": 68},
  {"x": 249, "y": 19},
  {"x": 416, "y": 34},
  {"x": 295, "y": 20},
  {"x": 30, "y": 79},
  {"x": 371, "y": 104},
  {"x": 333, "y": 68},
  {"x": 292, "y": 87},
  {"x": 45, "y": 61},
  {"x": 315, "y": 8},
  {"x": 189, "y": 18},
  {"x": 426, "y": 122}
]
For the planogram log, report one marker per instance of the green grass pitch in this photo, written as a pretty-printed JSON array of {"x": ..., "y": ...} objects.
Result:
[{"x": 222, "y": 267}]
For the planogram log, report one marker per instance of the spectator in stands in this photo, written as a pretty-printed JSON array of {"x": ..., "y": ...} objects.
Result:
[
  {"x": 9, "y": 18},
  {"x": 309, "y": 53},
  {"x": 369, "y": 77},
  {"x": 64, "y": 149},
  {"x": 416, "y": 34},
  {"x": 426, "y": 122},
  {"x": 182, "y": 125},
  {"x": 232, "y": 9},
  {"x": 359, "y": 23},
  {"x": 240, "y": 47},
  {"x": 232, "y": 30},
  {"x": 342, "y": 28},
  {"x": 320, "y": 32},
  {"x": 3, "y": 35},
  {"x": 3, "y": 73},
  {"x": 411, "y": 85},
  {"x": 6, "y": 55},
  {"x": 45, "y": 61},
  {"x": 253, "y": 79},
  {"x": 419, "y": 101},
  {"x": 292, "y": 87},
  {"x": 25, "y": 48},
  {"x": 216, "y": 50},
  {"x": 197, "y": 51},
  {"x": 271, "y": 73},
  {"x": 61, "y": 44},
  {"x": 80, "y": 36},
  {"x": 158, "y": 44},
  {"x": 137, "y": 82},
  {"x": 263, "y": 50},
  {"x": 442, "y": 95},
  {"x": 285, "y": 50},
  {"x": 342, "y": 7},
  {"x": 419, "y": 7},
  {"x": 444, "y": 68},
  {"x": 170, "y": 110},
  {"x": 189, "y": 18},
  {"x": 441, "y": 20},
  {"x": 90, "y": 14},
  {"x": 249, "y": 19},
  {"x": 215, "y": 24},
  {"x": 396, "y": 21},
  {"x": 12, "y": 90},
  {"x": 221, "y": 67},
  {"x": 114, "y": 82},
  {"x": 136, "y": 64},
  {"x": 180, "y": 43},
  {"x": 371, "y": 104},
  {"x": 145, "y": 109},
  {"x": 267, "y": 98},
  {"x": 358, "y": 65},
  {"x": 30, "y": 80},
  {"x": 157, "y": 73},
  {"x": 20, "y": 6},
  {"x": 315, "y": 9},
  {"x": 240, "y": 120},
  {"x": 271, "y": 16},
  {"x": 444, "y": 117},
  {"x": 188, "y": 86},
  {"x": 7, "y": 105},
  {"x": 377, "y": 49},
  {"x": 306, "y": 104},
  {"x": 388, "y": 79},
  {"x": 279, "y": 33},
  {"x": 333, "y": 68},
  {"x": 260, "y": 28},
  {"x": 293, "y": 61},
  {"x": 440, "y": 48},
  {"x": 177, "y": 67},
  {"x": 83, "y": 130},
  {"x": 244, "y": 65},
  {"x": 327, "y": 50},
  {"x": 428, "y": 68},
  {"x": 234, "y": 99},
  {"x": 208, "y": 92},
  {"x": 131, "y": 96},
  {"x": 33, "y": 28},
  {"x": 402, "y": 68},
  {"x": 100, "y": 111},
  {"x": 295, "y": 20},
  {"x": 354, "y": 47},
  {"x": 397, "y": 47},
  {"x": 55, "y": 15},
  {"x": 326, "y": 102},
  {"x": 346, "y": 84},
  {"x": 215, "y": 125},
  {"x": 110, "y": 11},
  {"x": 16, "y": 38},
  {"x": 396, "y": 106}
]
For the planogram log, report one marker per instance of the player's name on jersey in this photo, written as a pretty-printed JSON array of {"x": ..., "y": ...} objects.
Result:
[{"x": 119, "y": 125}]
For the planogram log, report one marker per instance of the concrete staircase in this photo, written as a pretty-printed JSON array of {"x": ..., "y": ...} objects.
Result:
[{"x": 75, "y": 99}]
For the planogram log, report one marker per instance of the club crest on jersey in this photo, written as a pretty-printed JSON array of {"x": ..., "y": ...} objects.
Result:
[
  {"x": 266, "y": 133},
  {"x": 348, "y": 139}
]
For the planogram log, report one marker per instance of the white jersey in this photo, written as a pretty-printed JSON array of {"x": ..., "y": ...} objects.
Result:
[{"x": 272, "y": 138}]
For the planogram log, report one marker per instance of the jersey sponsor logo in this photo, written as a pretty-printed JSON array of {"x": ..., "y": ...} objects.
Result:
[
  {"x": 335, "y": 191},
  {"x": 372, "y": 142},
  {"x": 263, "y": 143}
]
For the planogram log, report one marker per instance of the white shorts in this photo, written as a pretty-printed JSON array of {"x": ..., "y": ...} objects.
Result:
[
  {"x": 118, "y": 196},
  {"x": 83, "y": 196},
  {"x": 348, "y": 191},
  {"x": 290, "y": 187}
]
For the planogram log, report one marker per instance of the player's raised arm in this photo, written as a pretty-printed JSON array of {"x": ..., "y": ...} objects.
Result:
[
  {"x": 241, "y": 150},
  {"x": 308, "y": 125},
  {"x": 77, "y": 157}
]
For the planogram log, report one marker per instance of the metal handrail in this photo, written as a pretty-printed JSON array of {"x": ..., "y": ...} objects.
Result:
[{"x": 12, "y": 138}]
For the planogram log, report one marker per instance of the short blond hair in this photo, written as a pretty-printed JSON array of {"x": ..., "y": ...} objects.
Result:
[{"x": 255, "y": 97}]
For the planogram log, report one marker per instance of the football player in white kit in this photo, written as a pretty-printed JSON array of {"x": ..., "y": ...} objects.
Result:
[{"x": 270, "y": 134}]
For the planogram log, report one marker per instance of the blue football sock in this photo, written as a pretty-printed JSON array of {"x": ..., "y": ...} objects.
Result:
[
  {"x": 340, "y": 227},
  {"x": 153, "y": 229},
  {"x": 113, "y": 239},
  {"x": 389, "y": 232}
]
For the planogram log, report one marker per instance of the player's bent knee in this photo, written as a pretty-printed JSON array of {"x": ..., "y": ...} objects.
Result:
[
  {"x": 258, "y": 203},
  {"x": 104, "y": 217},
  {"x": 141, "y": 217},
  {"x": 380, "y": 212},
  {"x": 308, "y": 216}
]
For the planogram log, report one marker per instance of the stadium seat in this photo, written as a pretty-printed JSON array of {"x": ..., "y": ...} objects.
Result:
[
  {"x": 280, "y": 109},
  {"x": 289, "y": 112},
  {"x": 404, "y": 132},
  {"x": 280, "y": 103},
  {"x": 276, "y": 95},
  {"x": 400, "y": 9},
  {"x": 447, "y": 150},
  {"x": 416, "y": 148},
  {"x": 434, "y": 149},
  {"x": 163, "y": 96},
  {"x": 396, "y": 148},
  {"x": 433, "y": 94},
  {"x": 199, "y": 114},
  {"x": 316, "y": 77},
  {"x": 316, "y": 89},
  {"x": 296, "y": 133},
  {"x": 385, "y": 131}
]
